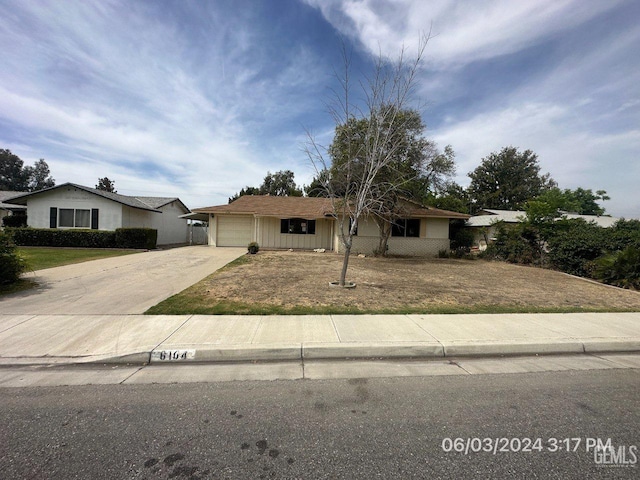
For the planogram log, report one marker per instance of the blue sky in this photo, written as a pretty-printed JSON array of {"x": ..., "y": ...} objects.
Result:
[{"x": 197, "y": 99}]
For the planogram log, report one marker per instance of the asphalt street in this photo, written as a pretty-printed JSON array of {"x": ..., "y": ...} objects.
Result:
[{"x": 319, "y": 429}]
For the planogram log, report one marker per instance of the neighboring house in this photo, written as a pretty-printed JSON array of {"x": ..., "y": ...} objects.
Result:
[
  {"x": 8, "y": 208},
  {"x": 308, "y": 223},
  {"x": 76, "y": 206},
  {"x": 485, "y": 224}
]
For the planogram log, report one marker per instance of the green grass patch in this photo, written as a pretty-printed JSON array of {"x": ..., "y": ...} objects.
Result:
[
  {"x": 187, "y": 303},
  {"x": 39, "y": 258}
]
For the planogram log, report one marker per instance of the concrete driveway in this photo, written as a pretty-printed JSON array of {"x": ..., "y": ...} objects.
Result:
[{"x": 127, "y": 284}]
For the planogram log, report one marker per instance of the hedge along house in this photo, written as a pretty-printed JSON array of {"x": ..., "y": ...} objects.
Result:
[
  {"x": 75, "y": 206},
  {"x": 308, "y": 223}
]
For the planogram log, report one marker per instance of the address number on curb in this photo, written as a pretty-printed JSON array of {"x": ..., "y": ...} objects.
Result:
[{"x": 172, "y": 355}]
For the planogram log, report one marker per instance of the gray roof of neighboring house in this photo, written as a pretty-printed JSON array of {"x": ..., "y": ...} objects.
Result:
[
  {"x": 493, "y": 216},
  {"x": 158, "y": 202},
  {"x": 489, "y": 217},
  {"x": 5, "y": 200},
  {"x": 144, "y": 203},
  {"x": 601, "y": 221}
]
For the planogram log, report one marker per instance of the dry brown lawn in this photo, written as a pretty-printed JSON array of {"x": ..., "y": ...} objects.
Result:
[{"x": 298, "y": 282}]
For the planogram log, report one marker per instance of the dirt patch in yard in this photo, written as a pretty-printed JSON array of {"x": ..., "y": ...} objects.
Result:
[{"x": 299, "y": 281}]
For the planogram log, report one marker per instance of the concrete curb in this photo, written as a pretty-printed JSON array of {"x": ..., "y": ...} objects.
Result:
[{"x": 339, "y": 351}]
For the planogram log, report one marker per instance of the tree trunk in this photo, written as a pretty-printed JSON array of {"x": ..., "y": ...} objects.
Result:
[
  {"x": 384, "y": 227},
  {"x": 385, "y": 233},
  {"x": 345, "y": 264}
]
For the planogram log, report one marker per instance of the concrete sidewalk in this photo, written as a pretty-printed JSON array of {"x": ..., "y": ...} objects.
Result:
[{"x": 59, "y": 339}]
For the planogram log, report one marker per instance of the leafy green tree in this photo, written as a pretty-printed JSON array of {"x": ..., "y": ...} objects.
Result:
[
  {"x": 12, "y": 174},
  {"x": 279, "y": 184},
  {"x": 452, "y": 197},
  {"x": 39, "y": 176},
  {"x": 413, "y": 169},
  {"x": 106, "y": 185},
  {"x": 507, "y": 180},
  {"x": 370, "y": 144},
  {"x": 17, "y": 177},
  {"x": 316, "y": 187},
  {"x": 581, "y": 201},
  {"x": 245, "y": 191}
]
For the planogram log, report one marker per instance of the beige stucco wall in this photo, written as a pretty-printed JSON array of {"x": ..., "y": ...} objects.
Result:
[
  {"x": 434, "y": 236},
  {"x": 109, "y": 216},
  {"x": 435, "y": 228},
  {"x": 269, "y": 236},
  {"x": 266, "y": 231}
]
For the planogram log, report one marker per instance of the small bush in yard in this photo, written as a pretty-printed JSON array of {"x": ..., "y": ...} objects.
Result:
[
  {"x": 11, "y": 265},
  {"x": 253, "y": 248}
]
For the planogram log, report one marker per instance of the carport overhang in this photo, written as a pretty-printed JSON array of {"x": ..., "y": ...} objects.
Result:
[{"x": 202, "y": 217}]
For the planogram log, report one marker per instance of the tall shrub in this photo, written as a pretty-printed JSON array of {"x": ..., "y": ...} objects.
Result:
[
  {"x": 574, "y": 245},
  {"x": 516, "y": 244},
  {"x": 15, "y": 220},
  {"x": 11, "y": 265},
  {"x": 621, "y": 269}
]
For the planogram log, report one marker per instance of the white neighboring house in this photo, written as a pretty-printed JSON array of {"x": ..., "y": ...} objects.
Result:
[
  {"x": 75, "y": 206},
  {"x": 485, "y": 224}
]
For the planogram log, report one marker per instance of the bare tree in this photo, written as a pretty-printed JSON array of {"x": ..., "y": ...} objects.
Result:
[{"x": 353, "y": 185}]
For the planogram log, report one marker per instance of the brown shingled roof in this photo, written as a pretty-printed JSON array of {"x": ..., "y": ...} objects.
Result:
[
  {"x": 273, "y": 206},
  {"x": 305, "y": 207}
]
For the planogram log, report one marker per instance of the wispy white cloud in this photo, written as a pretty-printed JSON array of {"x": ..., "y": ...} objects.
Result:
[
  {"x": 198, "y": 99},
  {"x": 576, "y": 106},
  {"x": 575, "y": 158},
  {"x": 139, "y": 95},
  {"x": 463, "y": 30}
]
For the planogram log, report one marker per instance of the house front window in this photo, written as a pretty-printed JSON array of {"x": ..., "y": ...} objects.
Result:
[
  {"x": 74, "y": 218},
  {"x": 298, "y": 226},
  {"x": 406, "y": 227}
]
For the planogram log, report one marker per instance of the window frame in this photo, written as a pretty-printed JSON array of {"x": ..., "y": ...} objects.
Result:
[
  {"x": 400, "y": 228},
  {"x": 297, "y": 226},
  {"x": 74, "y": 217}
]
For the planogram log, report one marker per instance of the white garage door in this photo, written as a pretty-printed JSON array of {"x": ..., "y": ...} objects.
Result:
[{"x": 234, "y": 230}]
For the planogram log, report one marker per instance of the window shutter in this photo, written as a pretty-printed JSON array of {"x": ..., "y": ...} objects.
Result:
[
  {"x": 53, "y": 217},
  {"x": 94, "y": 219}
]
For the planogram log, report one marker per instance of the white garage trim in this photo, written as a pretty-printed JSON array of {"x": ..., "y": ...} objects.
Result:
[{"x": 235, "y": 230}]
